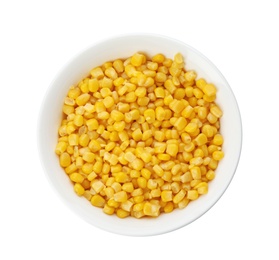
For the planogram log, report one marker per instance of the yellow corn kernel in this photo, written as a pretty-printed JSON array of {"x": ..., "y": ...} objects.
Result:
[
  {"x": 71, "y": 168},
  {"x": 74, "y": 92},
  {"x": 179, "y": 196},
  {"x": 88, "y": 157},
  {"x": 142, "y": 182},
  {"x": 169, "y": 207},
  {"x": 112, "y": 203},
  {"x": 118, "y": 65},
  {"x": 119, "y": 126},
  {"x": 159, "y": 136},
  {"x": 137, "y": 164},
  {"x": 178, "y": 58},
  {"x": 60, "y": 148},
  {"x": 172, "y": 149},
  {"x": 180, "y": 123},
  {"x": 149, "y": 115},
  {"x": 216, "y": 111},
  {"x": 108, "y": 210},
  {"x": 156, "y": 193},
  {"x": 177, "y": 106},
  {"x": 137, "y": 59},
  {"x": 158, "y": 58},
  {"x": 98, "y": 186},
  {"x": 93, "y": 85},
  {"x": 192, "y": 194},
  {"x": 129, "y": 156},
  {"x": 117, "y": 115},
  {"x": 97, "y": 73},
  {"x": 65, "y": 159},
  {"x": 111, "y": 73},
  {"x": 208, "y": 130},
  {"x": 200, "y": 83},
  {"x": 201, "y": 139},
  {"x": 166, "y": 195},
  {"x": 79, "y": 190},
  {"x": 202, "y": 188},
  {"x": 84, "y": 87},
  {"x": 146, "y": 173},
  {"x": 218, "y": 155},
  {"x": 218, "y": 139},
  {"x": 146, "y": 157},
  {"x": 127, "y": 205},
  {"x": 160, "y": 77},
  {"x": 121, "y": 213},
  {"x": 158, "y": 170},
  {"x": 105, "y": 92},
  {"x": 98, "y": 201},
  {"x": 106, "y": 83},
  {"x": 78, "y": 120},
  {"x": 210, "y": 175},
  {"x": 76, "y": 177},
  {"x": 151, "y": 209},
  {"x": 121, "y": 177},
  {"x": 83, "y": 140},
  {"x": 82, "y": 99},
  {"x": 209, "y": 90},
  {"x": 160, "y": 113},
  {"x": 176, "y": 169},
  {"x": 197, "y": 93},
  {"x": 94, "y": 146},
  {"x": 120, "y": 196},
  {"x": 128, "y": 187},
  {"x": 163, "y": 157},
  {"x": 92, "y": 124},
  {"x": 190, "y": 75},
  {"x": 196, "y": 172},
  {"x": 87, "y": 168},
  {"x": 108, "y": 102},
  {"x": 202, "y": 112},
  {"x": 179, "y": 93},
  {"x": 137, "y": 135},
  {"x": 187, "y": 111}
]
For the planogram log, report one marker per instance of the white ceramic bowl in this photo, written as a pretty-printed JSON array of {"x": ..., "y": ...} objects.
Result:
[{"x": 121, "y": 47}]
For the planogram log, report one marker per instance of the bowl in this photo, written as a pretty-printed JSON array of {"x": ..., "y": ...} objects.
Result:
[{"x": 122, "y": 47}]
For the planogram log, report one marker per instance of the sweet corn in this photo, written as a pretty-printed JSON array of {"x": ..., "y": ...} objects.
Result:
[
  {"x": 79, "y": 189},
  {"x": 98, "y": 201},
  {"x": 65, "y": 159},
  {"x": 76, "y": 177},
  {"x": 166, "y": 195},
  {"x": 140, "y": 137},
  {"x": 150, "y": 209},
  {"x": 209, "y": 90}
]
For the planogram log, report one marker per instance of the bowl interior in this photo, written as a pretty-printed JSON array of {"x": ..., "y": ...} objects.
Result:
[{"x": 122, "y": 47}]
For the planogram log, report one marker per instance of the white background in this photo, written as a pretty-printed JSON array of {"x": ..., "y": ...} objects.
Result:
[{"x": 39, "y": 37}]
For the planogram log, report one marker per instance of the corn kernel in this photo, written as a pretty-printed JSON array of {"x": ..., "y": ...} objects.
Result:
[
  {"x": 76, "y": 177},
  {"x": 166, "y": 195},
  {"x": 98, "y": 201},
  {"x": 79, "y": 189},
  {"x": 150, "y": 209},
  {"x": 120, "y": 196},
  {"x": 192, "y": 195},
  {"x": 172, "y": 149},
  {"x": 209, "y": 90},
  {"x": 216, "y": 111},
  {"x": 218, "y": 155},
  {"x": 65, "y": 159},
  {"x": 201, "y": 139},
  {"x": 177, "y": 106},
  {"x": 108, "y": 210},
  {"x": 82, "y": 99}
]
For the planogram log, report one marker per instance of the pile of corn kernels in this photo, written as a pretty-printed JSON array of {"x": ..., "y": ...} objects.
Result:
[{"x": 141, "y": 136}]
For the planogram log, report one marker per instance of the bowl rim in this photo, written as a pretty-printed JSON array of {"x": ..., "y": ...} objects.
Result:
[{"x": 50, "y": 89}]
